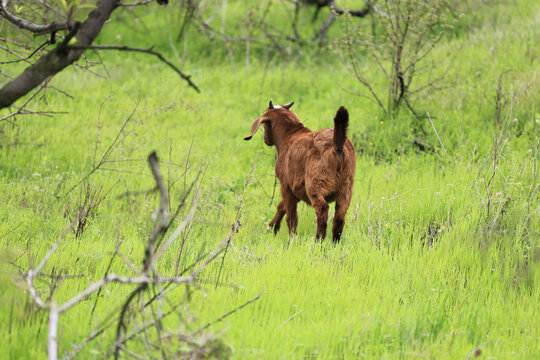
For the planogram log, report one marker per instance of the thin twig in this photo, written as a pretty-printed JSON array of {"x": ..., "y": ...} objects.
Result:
[{"x": 228, "y": 314}]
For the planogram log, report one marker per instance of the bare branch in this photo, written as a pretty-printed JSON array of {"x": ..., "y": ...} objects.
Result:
[
  {"x": 187, "y": 78},
  {"x": 27, "y": 25},
  {"x": 146, "y": 277},
  {"x": 34, "y": 272}
]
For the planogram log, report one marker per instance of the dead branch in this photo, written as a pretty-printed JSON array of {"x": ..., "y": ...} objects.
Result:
[{"x": 147, "y": 276}]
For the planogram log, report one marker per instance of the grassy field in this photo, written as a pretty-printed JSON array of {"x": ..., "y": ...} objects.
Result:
[{"x": 440, "y": 253}]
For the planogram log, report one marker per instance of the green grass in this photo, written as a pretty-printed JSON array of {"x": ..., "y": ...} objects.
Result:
[{"x": 383, "y": 292}]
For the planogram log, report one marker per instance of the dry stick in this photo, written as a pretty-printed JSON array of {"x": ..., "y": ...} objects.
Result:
[
  {"x": 228, "y": 314},
  {"x": 142, "y": 280},
  {"x": 148, "y": 264},
  {"x": 52, "y": 346},
  {"x": 53, "y": 277},
  {"x": 32, "y": 273},
  {"x": 440, "y": 141},
  {"x": 161, "y": 226},
  {"x": 180, "y": 227},
  {"x": 150, "y": 50}
]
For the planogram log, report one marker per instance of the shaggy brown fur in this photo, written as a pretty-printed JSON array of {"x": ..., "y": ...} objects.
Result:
[{"x": 313, "y": 166}]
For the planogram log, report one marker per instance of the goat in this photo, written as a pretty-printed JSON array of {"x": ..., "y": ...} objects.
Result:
[{"x": 316, "y": 167}]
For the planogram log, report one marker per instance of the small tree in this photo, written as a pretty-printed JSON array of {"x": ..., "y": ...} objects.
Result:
[{"x": 403, "y": 34}]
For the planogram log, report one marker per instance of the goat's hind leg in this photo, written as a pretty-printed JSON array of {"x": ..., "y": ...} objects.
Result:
[
  {"x": 275, "y": 223},
  {"x": 321, "y": 209},
  {"x": 342, "y": 205},
  {"x": 291, "y": 202}
]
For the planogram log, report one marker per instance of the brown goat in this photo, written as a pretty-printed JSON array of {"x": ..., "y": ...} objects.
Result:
[{"x": 313, "y": 166}]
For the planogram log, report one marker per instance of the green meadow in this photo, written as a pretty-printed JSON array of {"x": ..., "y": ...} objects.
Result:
[{"x": 440, "y": 253}]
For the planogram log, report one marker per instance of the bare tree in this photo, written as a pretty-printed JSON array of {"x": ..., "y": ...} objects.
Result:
[{"x": 406, "y": 32}]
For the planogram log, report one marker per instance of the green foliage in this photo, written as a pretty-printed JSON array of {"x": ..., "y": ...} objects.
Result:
[{"x": 423, "y": 270}]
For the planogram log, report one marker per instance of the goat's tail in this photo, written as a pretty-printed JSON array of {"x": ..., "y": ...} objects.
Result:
[{"x": 341, "y": 122}]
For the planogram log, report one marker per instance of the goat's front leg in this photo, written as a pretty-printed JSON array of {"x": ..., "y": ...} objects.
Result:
[
  {"x": 321, "y": 209},
  {"x": 275, "y": 223}
]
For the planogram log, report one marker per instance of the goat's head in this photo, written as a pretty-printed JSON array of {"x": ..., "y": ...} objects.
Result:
[{"x": 276, "y": 119}]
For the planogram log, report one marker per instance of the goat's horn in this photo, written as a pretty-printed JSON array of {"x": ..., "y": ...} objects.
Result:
[
  {"x": 270, "y": 105},
  {"x": 288, "y": 106}
]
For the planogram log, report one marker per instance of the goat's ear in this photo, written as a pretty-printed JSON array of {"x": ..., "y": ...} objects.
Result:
[
  {"x": 270, "y": 105},
  {"x": 288, "y": 106},
  {"x": 255, "y": 127}
]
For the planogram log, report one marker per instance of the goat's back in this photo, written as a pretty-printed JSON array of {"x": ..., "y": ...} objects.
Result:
[{"x": 311, "y": 165}]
